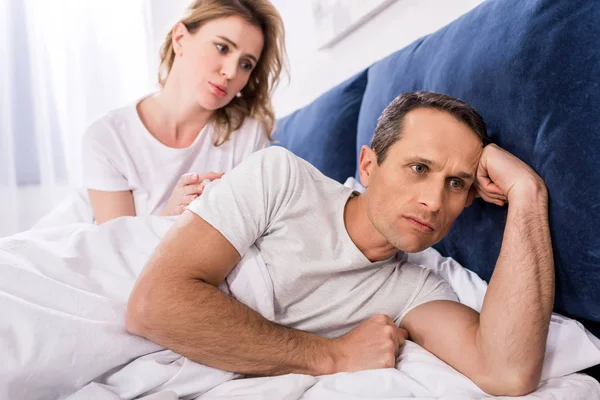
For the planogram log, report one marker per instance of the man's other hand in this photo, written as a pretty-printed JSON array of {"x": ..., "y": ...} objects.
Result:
[
  {"x": 373, "y": 344},
  {"x": 501, "y": 175}
]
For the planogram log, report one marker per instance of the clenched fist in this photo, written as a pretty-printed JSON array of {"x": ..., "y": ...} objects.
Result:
[
  {"x": 373, "y": 344},
  {"x": 501, "y": 175}
]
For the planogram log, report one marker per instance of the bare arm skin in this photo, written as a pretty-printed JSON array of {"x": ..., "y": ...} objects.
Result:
[{"x": 111, "y": 205}]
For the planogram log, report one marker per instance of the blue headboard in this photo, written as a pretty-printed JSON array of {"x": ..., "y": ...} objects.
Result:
[{"x": 532, "y": 69}]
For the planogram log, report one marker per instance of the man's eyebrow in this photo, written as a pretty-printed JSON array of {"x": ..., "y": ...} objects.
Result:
[
  {"x": 432, "y": 164},
  {"x": 235, "y": 46},
  {"x": 465, "y": 175}
]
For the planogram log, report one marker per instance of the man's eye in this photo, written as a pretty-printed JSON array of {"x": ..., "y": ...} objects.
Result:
[
  {"x": 419, "y": 168},
  {"x": 456, "y": 184},
  {"x": 222, "y": 48}
]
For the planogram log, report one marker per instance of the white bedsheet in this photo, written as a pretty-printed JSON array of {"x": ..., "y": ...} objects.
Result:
[{"x": 62, "y": 297}]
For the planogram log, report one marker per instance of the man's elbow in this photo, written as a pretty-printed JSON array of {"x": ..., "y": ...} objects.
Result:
[
  {"x": 509, "y": 384},
  {"x": 138, "y": 315}
]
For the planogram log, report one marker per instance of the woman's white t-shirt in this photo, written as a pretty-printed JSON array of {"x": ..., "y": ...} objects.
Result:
[{"x": 119, "y": 153}]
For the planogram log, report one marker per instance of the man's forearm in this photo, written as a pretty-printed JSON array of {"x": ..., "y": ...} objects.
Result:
[
  {"x": 516, "y": 311},
  {"x": 204, "y": 324}
]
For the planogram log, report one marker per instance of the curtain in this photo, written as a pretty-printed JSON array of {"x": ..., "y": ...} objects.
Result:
[{"x": 63, "y": 64}]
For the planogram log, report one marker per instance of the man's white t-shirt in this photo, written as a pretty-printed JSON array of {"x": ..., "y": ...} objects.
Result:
[
  {"x": 295, "y": 215},
  {"x": 119, "y": 153}
]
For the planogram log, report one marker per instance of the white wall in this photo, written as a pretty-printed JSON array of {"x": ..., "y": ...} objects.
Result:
[
  {"x": 313, "y": 71},
  {"x": 162, "y": 16}
]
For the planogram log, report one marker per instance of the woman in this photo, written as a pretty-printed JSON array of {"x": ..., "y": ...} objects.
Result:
[{"x": 218, "y": 67}]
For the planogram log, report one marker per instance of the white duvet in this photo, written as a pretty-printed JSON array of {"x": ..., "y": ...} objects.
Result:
[{"x": 63, "y": 293}]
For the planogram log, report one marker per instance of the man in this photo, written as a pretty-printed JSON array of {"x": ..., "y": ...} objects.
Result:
[{"x": 344, "y": 298}]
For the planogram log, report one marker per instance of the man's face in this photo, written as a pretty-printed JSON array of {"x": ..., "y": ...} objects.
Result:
[{"x": 424, "y": 183}]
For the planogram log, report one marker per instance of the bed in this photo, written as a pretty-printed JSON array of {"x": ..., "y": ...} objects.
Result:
[{"x": 63, "y": 295}]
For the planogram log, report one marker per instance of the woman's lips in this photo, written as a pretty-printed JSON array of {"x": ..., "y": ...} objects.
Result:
[{"x": 219, "y": 90}]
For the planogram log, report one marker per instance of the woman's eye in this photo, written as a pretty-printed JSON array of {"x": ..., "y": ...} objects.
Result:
[
  {"x": 222, "y": 48},
  {"x": 419, "y": 169},
  {"x": 247, "y": 66}
]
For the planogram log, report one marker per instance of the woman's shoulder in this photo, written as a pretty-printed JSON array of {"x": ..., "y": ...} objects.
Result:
[
  {"x": 252, "y": 132},
  {"x": 114, "y": 123},
  {"x": 252, "y": 125}
]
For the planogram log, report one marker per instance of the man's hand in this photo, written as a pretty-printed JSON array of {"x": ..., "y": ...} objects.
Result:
[
  {"x": 188, "y": 188},
  {"x": 373, "y": 344},
  {"x": 500, "y": 175}
]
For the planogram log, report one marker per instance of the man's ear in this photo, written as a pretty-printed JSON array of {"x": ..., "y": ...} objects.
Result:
[
  {"x": 367, "y": 161},
  {"x": 471, "y": 196}
]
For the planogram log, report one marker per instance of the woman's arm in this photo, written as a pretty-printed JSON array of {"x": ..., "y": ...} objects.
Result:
[
  {"x": 111, "y": 205},
  {"x": 104, "y": 171}
]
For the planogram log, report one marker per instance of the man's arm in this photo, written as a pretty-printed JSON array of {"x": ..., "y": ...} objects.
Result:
[
  {"x": 175, "y": 303},
  {"x": 502, "y": 350}
]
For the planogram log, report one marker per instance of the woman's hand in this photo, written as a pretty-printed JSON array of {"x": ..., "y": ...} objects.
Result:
[{"x": 189, "y": 187}]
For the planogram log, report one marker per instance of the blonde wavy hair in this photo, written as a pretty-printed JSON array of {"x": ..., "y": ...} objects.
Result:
[{"x": 255, "y": 99}]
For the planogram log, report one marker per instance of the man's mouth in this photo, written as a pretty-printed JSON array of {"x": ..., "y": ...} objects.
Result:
[{"x": 421, "y": 225}]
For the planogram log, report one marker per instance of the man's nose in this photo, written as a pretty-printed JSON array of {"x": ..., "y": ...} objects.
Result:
[{"x": 432, "y": 196}]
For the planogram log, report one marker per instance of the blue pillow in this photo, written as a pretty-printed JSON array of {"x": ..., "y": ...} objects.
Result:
[
  {"x": 532, "y": 69},
  {"x": 324, "y": 132}
]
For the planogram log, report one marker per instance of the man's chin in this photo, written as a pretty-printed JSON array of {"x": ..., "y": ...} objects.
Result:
[
  {"x": 413, "y": 247},
  {"x": 417, "y": 249}
]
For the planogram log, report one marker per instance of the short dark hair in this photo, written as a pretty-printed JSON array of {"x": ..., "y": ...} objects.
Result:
[{"x": 389, "y": 124}]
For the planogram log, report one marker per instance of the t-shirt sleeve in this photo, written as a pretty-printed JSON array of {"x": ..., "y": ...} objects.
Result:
[
  {"x": 100, "y": 171},
  {"x": 247, "y": 200},
  {"x": 430, "y": 288}
]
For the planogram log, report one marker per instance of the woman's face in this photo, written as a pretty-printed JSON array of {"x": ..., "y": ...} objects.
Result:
[{"x": 216, "y": 61}]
